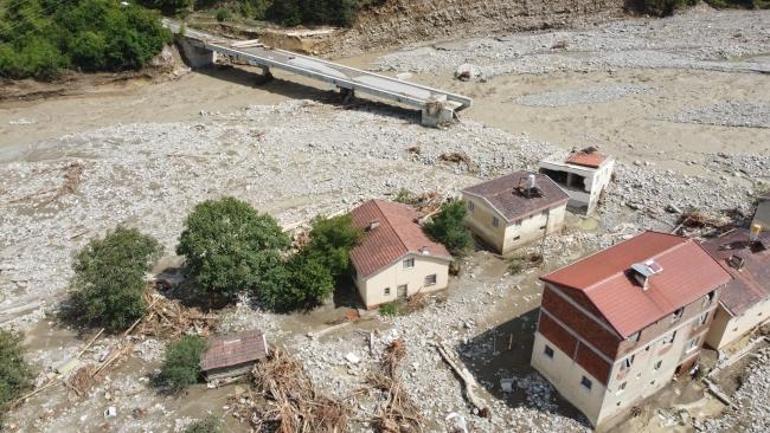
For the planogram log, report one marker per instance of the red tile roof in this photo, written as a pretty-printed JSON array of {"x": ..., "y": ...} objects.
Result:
[
  {"x": 397, "y": 235},
  {"x": 751, "y": 284},
  {"x": 503, "y": 194},
  {"x": 232, "y": 350},
  {"x": 689, "y": 273},
  {"x": 592, "y": 159}
]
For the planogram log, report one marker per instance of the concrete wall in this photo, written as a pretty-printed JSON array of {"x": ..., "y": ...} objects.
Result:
[
  {"x": 372, "y": 289},
  {"x": 762, "y": 215},
  {"x": 565, "y": 375},
  {"x": 726, "y": 329},
  {"x": 584, "y": 197},
  {"x": 195, "y": 56},
  {"x": 503, "y": 237}
]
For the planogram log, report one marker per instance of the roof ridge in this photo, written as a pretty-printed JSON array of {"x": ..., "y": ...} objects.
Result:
[{"x": 385, "y": 216}]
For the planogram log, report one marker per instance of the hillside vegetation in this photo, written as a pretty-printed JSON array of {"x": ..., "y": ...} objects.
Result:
[
  {"x": 667, "y": 7},
  {"x": 40, "y": 38}
]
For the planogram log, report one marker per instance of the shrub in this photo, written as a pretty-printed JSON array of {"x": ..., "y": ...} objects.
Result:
[
  {"x": 390, "y": 309},
  {"x": 664, "y": 7},
  {"x": 181, "y": 365},
  {"x": 315, "y": 12},
  {"x": 302, "y": 282},
  {"x": 210, "y": 424},
  {"x": 15, "y": 373},
  {"x": 331, "y": 240},
  {"x": 109, "y": 281},
  {"x": 229, "y": 246},
  {"x": 223, "y": 14},
  {"x": 448, "y": 227}
]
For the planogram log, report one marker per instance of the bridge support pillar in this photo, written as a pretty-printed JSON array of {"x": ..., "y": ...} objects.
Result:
[
  {"x": 436, "y": 113},
  {"x": 197, "y": 57},
  {"x": 266, "y": 76},
  {"x": 347, "y": 94}
]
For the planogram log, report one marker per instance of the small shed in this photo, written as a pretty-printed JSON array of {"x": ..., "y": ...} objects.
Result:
[{"x": 233, "y": 355}]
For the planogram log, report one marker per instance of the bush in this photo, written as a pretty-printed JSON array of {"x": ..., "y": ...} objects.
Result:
[
  {"x": 15, "y": 373},
  {"x": 210, "y": 424},
  {"x": 331, "y": 240},
  {"x": 181, "y": 365},
  {"x": 664, "y": 7},
  {"x": 302, "y": 282},
  {"x": 229, "y": 246},
  {"x": 39, "y": 40},
  {"x": 448, "y": 228},
  {"x": 223, "y": 14},
  {"x": 390, "y": 309},
  {"x": 109, "y": 281}
]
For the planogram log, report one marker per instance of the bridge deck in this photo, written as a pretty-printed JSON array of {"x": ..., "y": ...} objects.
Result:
[{"x": 342, "y": 76}]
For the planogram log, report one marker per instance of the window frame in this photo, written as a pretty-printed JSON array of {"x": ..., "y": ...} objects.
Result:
[
  {"x": 471, "y": 206},
  {"x": 495, "y": 221},
  {"x": 586, "y": 383},
  {"x": 432, "y": 277},
  {"x": 408, "y": 260},
  {"x": 548, "y": 349},
  {"x": 387, "y": 291}
]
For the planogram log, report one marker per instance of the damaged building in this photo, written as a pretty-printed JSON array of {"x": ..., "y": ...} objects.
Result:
[
  {"x": 513, "y": 210},
  {"x": 584, "y": 176},
  {"x": 395, "y": 259},
  {"x": 233, "y": 355},
  {"x": 745, "y": 302},
  {"x": 615, "y": 327}
]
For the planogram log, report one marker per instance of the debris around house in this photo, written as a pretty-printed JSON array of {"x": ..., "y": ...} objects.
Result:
[
  {"x": 294, "y": 404},
  {"x": 398, "y": 413},
  {"x": 230, "y": 356},
  {"x": 167, "y": 318},
  {"x": 469, "y": 382}
]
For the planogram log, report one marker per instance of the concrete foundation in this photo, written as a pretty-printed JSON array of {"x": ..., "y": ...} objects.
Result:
[
  {"x": 436, "y": 113},
  {"x": 195, "y": 56}
]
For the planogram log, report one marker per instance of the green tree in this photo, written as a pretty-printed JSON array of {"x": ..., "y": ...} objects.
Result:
[
  {"x": 15, "y": 373},
  {"x": 210, "y": 424},
  {"x": 228, "y": 246},
  {"x": 181, "y": 365},
  {"x": 448, "y": 228},
  {"x": 301, "y": 282},
  {"x": 109, "y": 281},
  {"x": 331, "y": 240}
]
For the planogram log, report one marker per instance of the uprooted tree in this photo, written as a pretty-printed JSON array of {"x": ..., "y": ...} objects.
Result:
[
  {"x": 448, "y": 227},
  {"x": 230, "y": 247},
  {"x": 108, "y": 287},
  {"x": 15, "y": 373}
]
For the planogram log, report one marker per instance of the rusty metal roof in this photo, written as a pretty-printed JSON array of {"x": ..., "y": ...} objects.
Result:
[
  {"x": 505, "y": 195},
  {"x": 751, "y": 283},
  {"x": 688, "y": 273},
  {"x": 232, "y": 350},
  {"x": 397, "y": 234},
  {"x": 587, "y": 159}
]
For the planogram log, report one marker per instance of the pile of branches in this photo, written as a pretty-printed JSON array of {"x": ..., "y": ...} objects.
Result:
[
  {"x": 167, "y": 318},
  {"x": 398, "y": 414},
  {"x": 460, "y": 158},
  {"x": 294, "y": 405},
  {"x": 696, "y": 220}
]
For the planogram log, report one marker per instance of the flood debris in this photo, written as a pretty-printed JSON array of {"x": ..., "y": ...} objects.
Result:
[
  {"x": 695, "y": 220},
  {"x": 460, "y": 158},
  {"x": 398, "y": 413},
  {"x": 469, "y": 382},
  {"x": 293, "y": 403},
  {"x": 169, "y": 319}
]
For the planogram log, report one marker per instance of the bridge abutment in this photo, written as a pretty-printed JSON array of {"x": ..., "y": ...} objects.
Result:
[{"x": 195, "y": 56}]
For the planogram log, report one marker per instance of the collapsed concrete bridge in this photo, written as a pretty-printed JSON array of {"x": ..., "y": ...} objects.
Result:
[{"x": 437, "y": 106}]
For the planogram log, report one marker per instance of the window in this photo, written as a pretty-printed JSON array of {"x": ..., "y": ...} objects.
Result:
[
  {"x": 692, "y": 344},
  {"x": 677, "y": 314},
  {"x": 430, "y": 280},
  {"x": 471, "y": 206},
  {"x": 495, "y": 221},
  {"x": 387, "y": 291},
  {"x": 517, "y": 237},
  {"x": 709, "y": 298},
  {"x": 409, "y": 263},
  {"x": 586, "y": 382},
  {"x": 622, "y": 387},
  {"x": 635, "y": 337},
  {"x": 703, "y": 318},
  {"x": 542, "y": 227},
  {"x": 670, "y": 339},
  {"x": 628, "y": 362},
  {"x": 658, "y": 364},
  {"x": 548, "y": 351}
]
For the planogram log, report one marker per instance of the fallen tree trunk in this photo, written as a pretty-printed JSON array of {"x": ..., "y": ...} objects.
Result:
[{"x": 469, "y": 382}]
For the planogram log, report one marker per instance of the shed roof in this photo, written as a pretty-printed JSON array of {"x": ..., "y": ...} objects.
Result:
[
  {"x": 232, "y": 350},
  {"x": 751, "y": 284},
  {"x": 505, "y": 195},
  {"x": 688, "y": 273},
  {"x": 587, "y": 159},
  {"x": 396, "y": 235}
]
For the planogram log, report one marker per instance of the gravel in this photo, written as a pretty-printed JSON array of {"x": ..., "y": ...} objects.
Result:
[
  {"x": 591, "y": 95},
  {"x": 730, "y": 41},
  {"x": 729, "y": 113}
]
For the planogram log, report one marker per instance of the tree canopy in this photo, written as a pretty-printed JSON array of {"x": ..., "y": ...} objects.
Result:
[
  {"x": 181, "y": 364},
  {"x": 109, "y": 282},
  {"x": 448, "y": 228},
  {"x": 15, "y": 374}
]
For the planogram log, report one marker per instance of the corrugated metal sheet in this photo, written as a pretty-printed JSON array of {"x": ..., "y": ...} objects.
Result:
[
  {"x": 689, "y": 273},
  {"x": 232, "y": 350},
  {"x": 751, "y": 283},
  {"x": 396, "y": 235},
  {"x": 502, "y": 193}
]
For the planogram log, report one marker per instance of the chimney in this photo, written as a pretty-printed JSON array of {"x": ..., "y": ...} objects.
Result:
[
  {"x": 642, "y": 272},
  {"x": 425, "y": 251},
  {"x": 531, "y": 182},
  {"x": 373, "y": 225}
]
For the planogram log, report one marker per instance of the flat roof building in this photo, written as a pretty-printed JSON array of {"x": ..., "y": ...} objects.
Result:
[
  {"x": 616, "y": 326},
  {"x": 584, "y": 175}
]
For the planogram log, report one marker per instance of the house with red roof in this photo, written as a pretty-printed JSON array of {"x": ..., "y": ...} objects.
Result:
[
  {"x": 233, "y": 355},
  {"x": 616, "y": 326},
  {"x": 584, "y": 175},
  {"x": 395, "y": 259},
  {"x": 745, "y": 302},
  {"x": 513, "y": 210}
]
